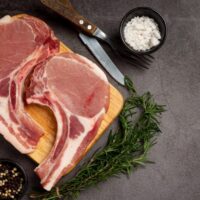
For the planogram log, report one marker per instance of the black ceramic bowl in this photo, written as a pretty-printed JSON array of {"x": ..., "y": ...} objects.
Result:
[
  {"x": 22, "y": 171},
  {"x": 139, "y": 12}
]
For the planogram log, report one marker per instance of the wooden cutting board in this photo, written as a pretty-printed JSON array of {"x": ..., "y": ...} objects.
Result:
[{"x": 45, "y": 118}]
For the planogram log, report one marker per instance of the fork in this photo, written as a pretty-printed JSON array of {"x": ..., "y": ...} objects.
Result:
[
  {"x": 66, "y": 10},
  {"x": 137, "y": 60}
]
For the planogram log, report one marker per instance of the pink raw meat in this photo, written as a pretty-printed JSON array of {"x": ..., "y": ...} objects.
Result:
[
  {"x": 24, "y": 42},
  {"x": 77, "y": 92}
]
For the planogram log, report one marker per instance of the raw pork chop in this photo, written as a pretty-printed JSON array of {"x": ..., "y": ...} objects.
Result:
[
  {"x": 24, "y": 42},
  {"x": 77, "y": 92}
]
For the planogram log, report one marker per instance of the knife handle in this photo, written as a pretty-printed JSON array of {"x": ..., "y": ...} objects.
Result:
[{"x": 66, "y": 10}]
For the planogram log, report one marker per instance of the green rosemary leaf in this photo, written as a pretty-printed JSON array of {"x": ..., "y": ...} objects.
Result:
[{"x": 126, "y": 149}]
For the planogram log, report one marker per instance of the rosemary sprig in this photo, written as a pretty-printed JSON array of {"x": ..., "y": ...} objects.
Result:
[{"x": 126, "y": 148}]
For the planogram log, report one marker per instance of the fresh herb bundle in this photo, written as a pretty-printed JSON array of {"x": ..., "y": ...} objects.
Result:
[{"x": 126, "y": 148}]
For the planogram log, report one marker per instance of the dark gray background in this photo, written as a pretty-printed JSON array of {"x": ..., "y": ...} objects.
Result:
[{"x": 174, "y": 79}]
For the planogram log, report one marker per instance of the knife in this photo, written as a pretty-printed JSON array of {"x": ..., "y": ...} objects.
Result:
[
  {"x": 100, "y": 54},
  {"x": 66, "y": 10}
]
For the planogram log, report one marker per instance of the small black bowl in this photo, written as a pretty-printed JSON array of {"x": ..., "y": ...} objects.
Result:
[
  {"x": 139, "y": 12},
  {"x": 21, "y": 169}
]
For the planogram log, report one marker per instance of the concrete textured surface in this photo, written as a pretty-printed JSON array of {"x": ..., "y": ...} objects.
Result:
[{"x": 174, "y": 80}]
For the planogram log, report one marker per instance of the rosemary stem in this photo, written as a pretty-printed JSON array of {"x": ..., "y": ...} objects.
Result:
[{"x": 126, "y": 149}]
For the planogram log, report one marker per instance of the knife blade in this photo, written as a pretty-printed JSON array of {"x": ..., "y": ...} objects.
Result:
[{"x": 103, "y": 58}]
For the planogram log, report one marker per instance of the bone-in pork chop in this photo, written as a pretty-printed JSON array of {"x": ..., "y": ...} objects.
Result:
[{"x": 77, "y": 92}]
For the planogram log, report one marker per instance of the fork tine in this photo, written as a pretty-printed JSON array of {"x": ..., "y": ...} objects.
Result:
[
  {"x": 129, "y": 54},
  {"x": 144, "y": 60},
  {"x": 147, "y": 57},
  {"x": 139, "y": 59},
  {"x": 150, "y": 56},
  {"x": 135, "y": 62},
  {"x": 144, "y": 57}
]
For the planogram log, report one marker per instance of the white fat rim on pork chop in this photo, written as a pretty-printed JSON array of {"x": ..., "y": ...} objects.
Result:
[
  {"x": 4, "y": 105},
  {"x": 6, "y": 19},
  {"x": 6, "y": 132},
  {"x": 88, "y": 123}
]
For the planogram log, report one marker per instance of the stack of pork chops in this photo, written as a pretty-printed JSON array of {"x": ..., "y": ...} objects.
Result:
[{"x": 33, "y": 71}]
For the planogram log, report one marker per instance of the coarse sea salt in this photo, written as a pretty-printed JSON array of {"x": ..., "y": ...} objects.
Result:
[{"x": 142, "y": 33}]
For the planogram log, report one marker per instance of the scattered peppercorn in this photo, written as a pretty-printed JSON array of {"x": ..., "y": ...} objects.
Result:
[{"x": 11, "y": 181}]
